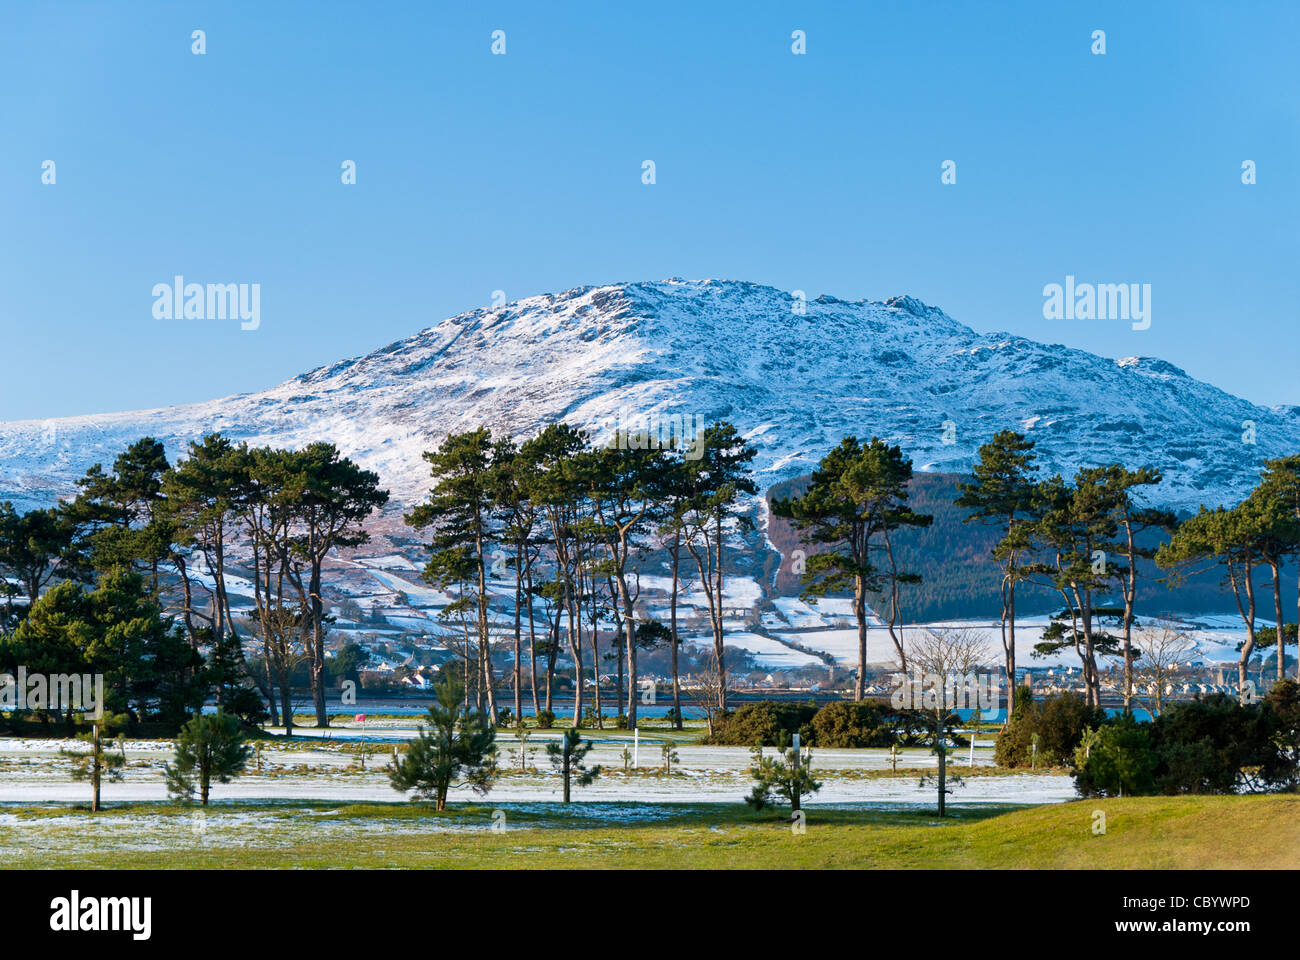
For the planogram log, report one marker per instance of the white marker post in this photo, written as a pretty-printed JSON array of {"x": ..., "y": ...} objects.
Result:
[
  {"x": 796, "y": 751},
  {"x": 636, "y": 747},
  {"x": 972, "y": 748}
]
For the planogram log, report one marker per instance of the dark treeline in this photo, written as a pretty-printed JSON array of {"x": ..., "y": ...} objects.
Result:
[
  {"x": 1088, "y": 539},
  {"x": 88, "y": 576},
  {"x": 132, "y": 576},
  {"x": 573, "y": 526}
]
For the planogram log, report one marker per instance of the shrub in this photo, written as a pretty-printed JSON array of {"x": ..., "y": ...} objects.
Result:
[
  {"x": 768, "y": 723},
  {"x": 545, "y": 719},
  {"x": 1284, "y": 700},
  {"x": 1217, "y": 745},
  {"x": 847, "y": 723},
  {"x": 870, "y": 723},
  {"x": 1116, "y": 760},
  {"x": 1059, "y": 723}
]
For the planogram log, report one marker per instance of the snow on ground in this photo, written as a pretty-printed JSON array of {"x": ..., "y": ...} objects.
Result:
[
  {"x": 1217, "y": 644},
  {"x": 32, "y": 772},
  {"x": 392, "y": 561},
  {"x": 419, "y": 594},
  {"x": 768, "y": 653},
  {"x": 798, "y": 614},
  {"x": 736, "y": 591},
  {"x": 689, "y": 787}
]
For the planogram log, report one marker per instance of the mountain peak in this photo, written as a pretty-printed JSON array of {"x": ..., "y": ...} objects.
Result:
[{"x": 794, "y": 373}]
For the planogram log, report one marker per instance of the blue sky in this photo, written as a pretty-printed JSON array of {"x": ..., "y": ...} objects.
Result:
[{"x": 523, "y": 173}]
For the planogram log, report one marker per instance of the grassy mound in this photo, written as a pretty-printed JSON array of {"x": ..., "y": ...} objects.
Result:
[{"x": 1147, "y": 832}]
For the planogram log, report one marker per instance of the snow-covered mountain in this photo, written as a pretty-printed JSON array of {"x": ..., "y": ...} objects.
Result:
[{"x": 795, "y": 378}]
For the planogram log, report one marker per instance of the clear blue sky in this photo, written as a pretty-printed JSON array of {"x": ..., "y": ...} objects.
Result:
[{"x": 523, "y": 172}]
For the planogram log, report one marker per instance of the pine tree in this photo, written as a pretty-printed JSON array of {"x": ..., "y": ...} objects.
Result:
[
  {"x": 117, "y": 630},
  {"x": 557, "y": 485},
  {"x": 331, "y": 498},
  {"x": 519, "y": 519},
  {"x": 1133, "y": 521},
  {"x": 210, "y": 749},
  {"x": 456, "y": 747},
  {"x": 567, "y": 758},
  {"x": 1232, "y": 540},
  {"x": 626, "y": 485},
  {"x": 669, "y": 753},
  {"x": 857, "y": 497},
  {"x": 121, "y": 513},
  {"x": 98, "y": 764},
  {"x": 459, "y": 516},
  {"x": 1001, "y": 490},
  {"x": 201, "y": 493},
  {"x": 786, "y": 778},
  {"x": 674, "y": 507},
  {"x": 718, "y": 480},
  {"x": 1279, "y": 489},
  {"x": 225, "y": 673},
  {"x": 39, "y": 547}
]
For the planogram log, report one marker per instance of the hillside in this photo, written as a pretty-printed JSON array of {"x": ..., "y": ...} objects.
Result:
[
  {"x": 959, "y": 580},
  {"x": 794, "y": 382}
]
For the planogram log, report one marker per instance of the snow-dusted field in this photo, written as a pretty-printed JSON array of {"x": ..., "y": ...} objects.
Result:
[
  {"x": 1215, "y": 638},
  {"x": 314, "y": 769},
  {"x": 768, "y": 652}
]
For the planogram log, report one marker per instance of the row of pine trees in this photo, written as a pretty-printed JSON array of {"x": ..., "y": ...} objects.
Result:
[{"x": 572, "y": 528}]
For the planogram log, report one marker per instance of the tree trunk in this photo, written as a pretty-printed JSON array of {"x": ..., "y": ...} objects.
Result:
[
  {"x": 860, "y": 611},
  {"x": 575, "y": 649},
  {"x": 1248, "y": 647},
  {"x": 1011, "y": 647},
  {"x": 618, "y": 684},
  {"x": 286, "y": 705},
  {"x": 629, "y": 634},
  {"x": 270, "y": 687},
  {"x": 943, "y": 767},
  {"x": 551, "y": 654},
  {"x": 519, "y": 586},
  {"x": 532, "y": 636},
  {"x": 595, "y": 658},
  {"x": 317, "y": 646},
  {"x": 95, "y": 770},
  {"x": 721, "y": 639},
  {"x": 1277, "y": 608},
  {"x": 677, "y": 693}
]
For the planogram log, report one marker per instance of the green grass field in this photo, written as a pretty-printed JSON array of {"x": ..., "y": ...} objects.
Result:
[{"x": 1154, "y": 832}]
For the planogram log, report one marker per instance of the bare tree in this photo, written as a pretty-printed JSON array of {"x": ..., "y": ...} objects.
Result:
[
  {"x": 708, "y": 687},
  {"x": 950, "y": 651},
  {"x": 1164, "y": 646},
  {"x": 948, "y": 655}
]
